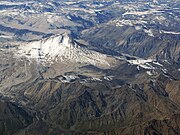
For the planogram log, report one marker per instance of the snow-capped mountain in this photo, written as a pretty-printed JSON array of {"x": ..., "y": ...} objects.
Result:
[
  {"x": 60, "y": 48},
  {"x": 89, "y": 67}
]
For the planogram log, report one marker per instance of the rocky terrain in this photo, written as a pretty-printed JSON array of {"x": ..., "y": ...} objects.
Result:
[{"x": 89, "y": 67}]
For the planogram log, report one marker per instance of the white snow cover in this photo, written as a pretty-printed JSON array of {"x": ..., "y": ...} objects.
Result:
[
  {"x": 108, "y": 78},
  {"x": 151, "y": 11},
  {"x": 170, "y": 32},
  {"x": 68, "y": 78},
  {"x": 149, "y": 73},
  {"x": 142, "y": 63},
  {"x": 157, "y": 63},
  {"x": 149, "y": 32},
  {"x": 127, "y": 22},
  {"x": 5, "y": 36},
  {"x": 13, "y": 3},
  {"x": 61, "y": 48}
]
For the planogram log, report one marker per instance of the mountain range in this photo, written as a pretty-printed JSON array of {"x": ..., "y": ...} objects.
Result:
[{"x": 89, "y": 67}]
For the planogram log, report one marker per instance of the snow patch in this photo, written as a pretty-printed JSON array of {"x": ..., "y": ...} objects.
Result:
[
  {"x": 170, "y": 32},
  {"x": 7, "y": 37},
  {"x": 138, "y": 27},
  {"x": 140, "y": 13},
  {"x": 68, "y": 78},
  {"x": 108, "y": 78},
  {"x": 157, "y": 63},
  {"x": 142, "y": 63},
  {"x": 127, "y": 22},
  {"x": 149, "y": 73},
  {"x": 149, "y": 32},
  {"x": 96, "y": 79}
]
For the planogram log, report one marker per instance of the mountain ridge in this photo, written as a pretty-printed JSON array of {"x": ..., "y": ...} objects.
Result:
[{"x": 89, "y": 67}]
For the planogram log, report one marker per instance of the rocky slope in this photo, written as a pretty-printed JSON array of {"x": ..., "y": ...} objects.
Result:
[
  {"x": 89, "y": 67},
  {"x": 81, "y": 96},
  {"x": 97, "y": 108},
  {"x": 13, "y": 118},
  {"x": 129, "y": 40}
]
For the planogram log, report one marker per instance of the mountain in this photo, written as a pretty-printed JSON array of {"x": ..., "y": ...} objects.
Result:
[
  {"x": 61, "y": 48},
  {"x": 89, "y": 67},
  {"x": 81, "y": 96},
  {"x": 134, "y": 42}
]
